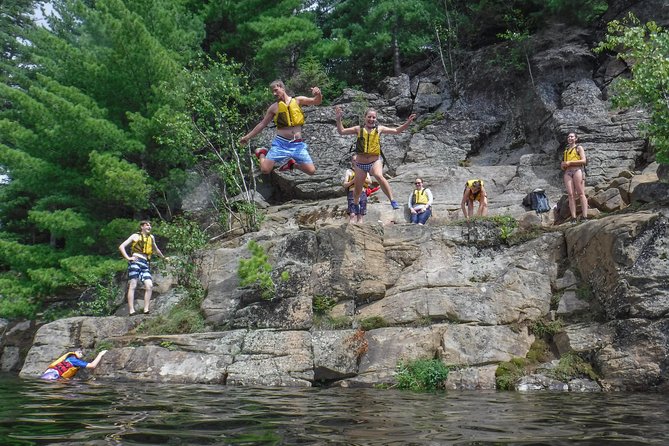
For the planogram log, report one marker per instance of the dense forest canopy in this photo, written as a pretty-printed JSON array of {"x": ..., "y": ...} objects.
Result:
[{"x": 106, "y": 107}]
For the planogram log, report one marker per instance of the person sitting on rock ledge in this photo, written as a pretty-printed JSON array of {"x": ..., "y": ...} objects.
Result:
[
  {"x": 474, "y": 191},
  {"x": 420, "y": 203},
  {"x": 69, "y": 364}
]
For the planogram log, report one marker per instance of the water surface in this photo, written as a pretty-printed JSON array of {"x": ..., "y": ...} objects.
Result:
[{"x": 120, "y": 413}]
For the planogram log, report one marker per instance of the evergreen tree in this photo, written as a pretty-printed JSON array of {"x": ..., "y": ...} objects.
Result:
[{"x": 79, "y": 139}]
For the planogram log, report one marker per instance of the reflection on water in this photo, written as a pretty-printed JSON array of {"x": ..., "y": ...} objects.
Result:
[{"x": 118, "y": 413}]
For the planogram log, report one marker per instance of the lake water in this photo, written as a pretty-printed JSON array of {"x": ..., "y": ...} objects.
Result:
[{"x": 120, "y": 413}]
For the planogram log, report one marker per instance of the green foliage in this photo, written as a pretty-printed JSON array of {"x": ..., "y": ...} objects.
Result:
[
  {"x": 329, "y": 322},
  {"x": 428, "y": 120},
  {"x": 323, "y": 304},
  {"x": 546, "y": 329},
  {"x": 117, "y": 181},
  {"x": 373, "y": 322},
  {"x": 584, "y": 292},
  {"x": 185, "y": 317},
  {"x": 103, "y": 299},
  {"x": 645, "y": 49},
  {"x": 103, "y": 345},
  {"x": 16, "y": 303},
  {"x": 508, "y": 373},
  {"x": 256, "y": 271},
  {"x": 421, "y": 375},
  {"x": 185, "y": 238},
  {"x": 572, "y": 366},
  {"x": 539, "y": 352}
]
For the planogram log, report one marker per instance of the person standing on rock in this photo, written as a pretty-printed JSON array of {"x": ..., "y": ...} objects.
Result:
[
  {"x": 368, "y": 151},
  {"x": 474, "y": 191},
  {"x": 573, "y": 165},
  {"x": 288, "y": 147},
  {"x": 69, "y": 364},
  {"x": 142, "y": 246},
  {"x": 356, "y": 215},
  {"x": 420, "y": 203}
]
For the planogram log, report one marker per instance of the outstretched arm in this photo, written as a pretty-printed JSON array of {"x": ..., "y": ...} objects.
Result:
[
  {"x": 400, "y": 129},
  {"x": 316, "y": 99},
  {"x": 96, "y": 361},
  {"x": 340, "y": 128},
  {"x": 155, "y": 247},
  {"x": 269, "y": 115}
]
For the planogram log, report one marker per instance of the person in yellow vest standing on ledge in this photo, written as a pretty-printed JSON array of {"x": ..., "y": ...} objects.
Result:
[
  {"x": 288, "y": 146},
  {"x": 420, "y": 203},
  {"x": 474, "y": 191},
  {"x": 573, "y": 164},
  {"x": 142, "y": 247}
]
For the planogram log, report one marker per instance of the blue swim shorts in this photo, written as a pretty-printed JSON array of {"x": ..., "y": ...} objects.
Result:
[
  {"x": 283, "y": 149},
  {"x": 362, "y": 203},
  {"x": 139, "y": 269}
]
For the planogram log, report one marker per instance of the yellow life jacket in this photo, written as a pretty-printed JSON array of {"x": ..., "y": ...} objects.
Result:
[
  {"x": 143, "y": 245},
  {"x": 473, "y": 195},
  {"x": 420, "y": 197},
  {"x": 289, "y": 115},
  {"x": 571, "y": 154},
  {"x": 64, "y": 368},
  {"x": 351, "y": 176},
  {"x": 368, "y": 143}
]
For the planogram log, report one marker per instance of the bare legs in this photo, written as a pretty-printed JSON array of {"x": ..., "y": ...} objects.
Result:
[
  {"x": 576, "y": 186},
  {"x": 148, "y": 290},
  {"x": 266, "y": 166}
]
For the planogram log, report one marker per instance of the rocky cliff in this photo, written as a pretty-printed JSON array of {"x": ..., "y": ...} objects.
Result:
[{"x": 475, "y": 296}]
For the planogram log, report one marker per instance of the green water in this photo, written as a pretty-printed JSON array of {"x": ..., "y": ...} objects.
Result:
[{"x": 120, "y": 413}]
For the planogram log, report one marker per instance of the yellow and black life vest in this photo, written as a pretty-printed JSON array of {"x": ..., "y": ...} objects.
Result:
[
  {"x": 143, "y": 245},
  {"x": 571, "y": 154},
  {"x": 351, "y": 176},
  {"x": 474, "y": 195},
  {"x": 420, "y": 197},
  {"x": 64, "y": 368},
  {"x": 368, "y": 143},
  {"x": 289, "y": 115}
]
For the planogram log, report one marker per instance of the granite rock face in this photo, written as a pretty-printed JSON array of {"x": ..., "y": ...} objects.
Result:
[{"x": 469, "y": 294}]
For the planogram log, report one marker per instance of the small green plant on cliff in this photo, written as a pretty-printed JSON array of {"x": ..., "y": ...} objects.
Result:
[
  {"x": 508, "y": 373},
  {"x": 546, "y": 329},
  {"x": 373, "y": 322},
  {"x": 257, "y": 271},
  {"x": 323, "y": 304},
  {"x": 421, "y": 375},
  {"x": 584, "y": 292},
  {"x": 428, "y": 120},
  {"x": 572, "y": 366},
  {"x": 185, "y": 317},
  {"x": 328, "y": 322},
  {"x": 103, "y": 345},
  {"x": 506, "y": 224}
]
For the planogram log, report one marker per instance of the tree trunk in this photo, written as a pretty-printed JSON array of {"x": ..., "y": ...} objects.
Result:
[{"x": 397, "y": 68}]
